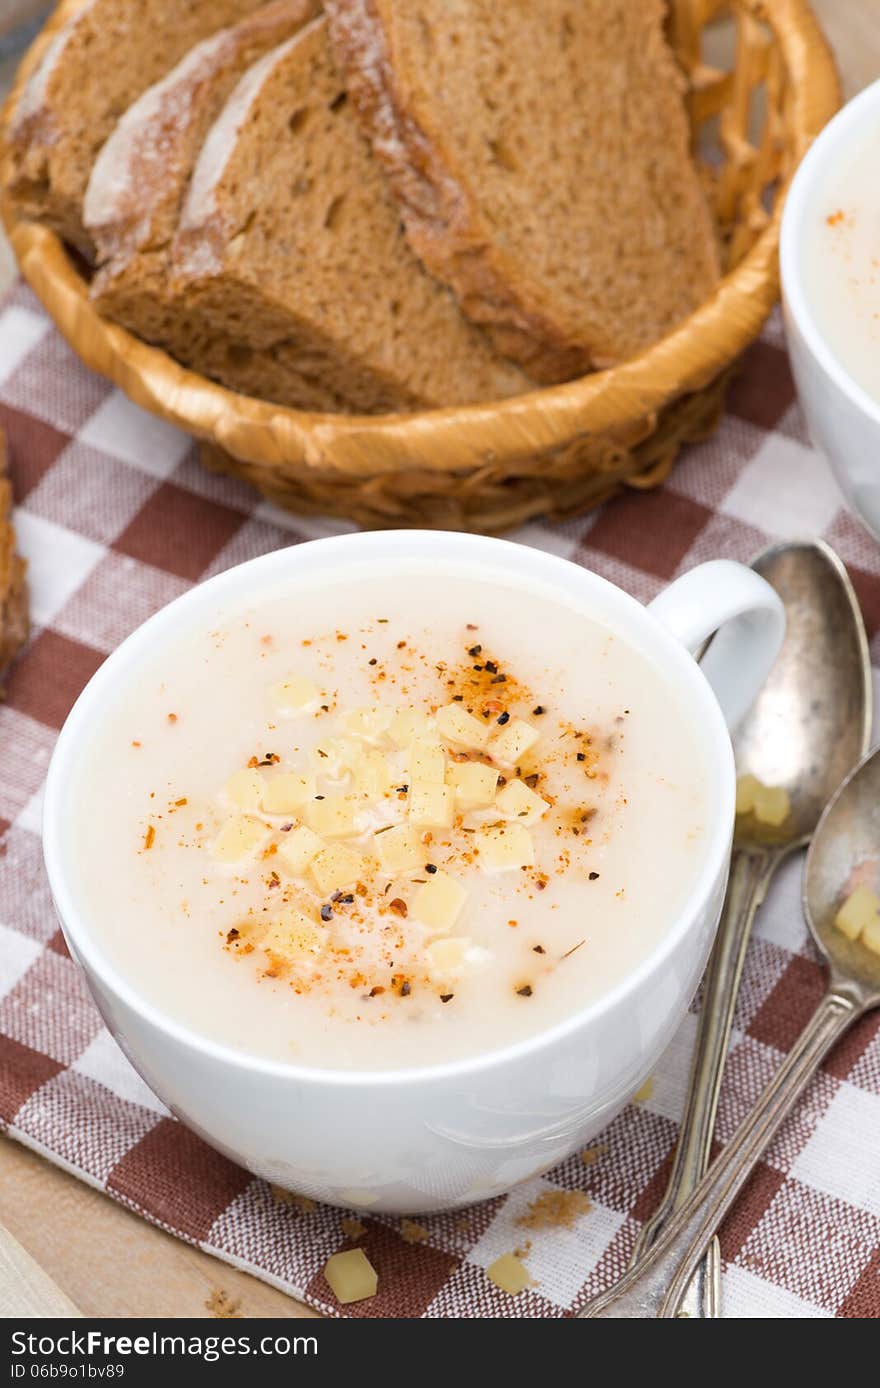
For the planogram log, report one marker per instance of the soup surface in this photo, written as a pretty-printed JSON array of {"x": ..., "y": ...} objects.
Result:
[
  {"x": 388, "y": 822},
  {"x": 842, "y": 262}
]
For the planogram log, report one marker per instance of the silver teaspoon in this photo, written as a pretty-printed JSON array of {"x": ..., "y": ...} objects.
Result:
[
  {"x": 808, "y": 727},
  {"x": 847, "y": 838}
]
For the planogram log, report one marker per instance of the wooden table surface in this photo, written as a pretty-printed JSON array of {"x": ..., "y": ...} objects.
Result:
[{"x": 107, "y": 1260}]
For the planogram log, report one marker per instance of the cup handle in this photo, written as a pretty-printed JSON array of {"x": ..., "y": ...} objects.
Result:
[{"x": 744, "y": 616}]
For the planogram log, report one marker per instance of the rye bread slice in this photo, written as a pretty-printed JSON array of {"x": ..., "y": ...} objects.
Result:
[
  {"x": 13, "y": 587},
  {"x": 96, "y": 64},
  {"x": 290, "y": 265},
  {"x": 139, "y": 180},
  {"x": 540, "y": 155}
]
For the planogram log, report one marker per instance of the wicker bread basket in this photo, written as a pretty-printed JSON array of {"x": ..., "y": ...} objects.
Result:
[{"x": 557, "y": 450}]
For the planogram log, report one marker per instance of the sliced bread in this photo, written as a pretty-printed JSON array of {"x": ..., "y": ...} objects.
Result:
[
  {"x": 139, "y": 180},
  {"x": 290, "y": 266},
  {"x": 540, "y": 155},
  {"x": 97, "y": 63}
]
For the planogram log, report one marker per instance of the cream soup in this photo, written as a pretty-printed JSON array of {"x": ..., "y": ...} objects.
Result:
[
  {"x": 388, "y": 822},
  {"x": 841, "y": 262}
]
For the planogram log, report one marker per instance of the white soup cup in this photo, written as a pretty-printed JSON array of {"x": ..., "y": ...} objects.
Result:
[
  {"x": 433, "y": 1138},
  {"x": 843, "y": 419}
]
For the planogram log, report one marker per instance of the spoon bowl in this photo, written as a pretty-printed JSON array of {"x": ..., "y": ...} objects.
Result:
[
  {"x": 810, "y": 723},
  {"x": 847, "y": 842}
]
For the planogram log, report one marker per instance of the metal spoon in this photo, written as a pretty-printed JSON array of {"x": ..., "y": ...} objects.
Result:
[
  {"x": 809, "y": 725},
  {"x": 847, "y": 838}
]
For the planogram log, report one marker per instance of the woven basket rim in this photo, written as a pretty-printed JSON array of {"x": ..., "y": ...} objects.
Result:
[{"x": 459, "y": 437}]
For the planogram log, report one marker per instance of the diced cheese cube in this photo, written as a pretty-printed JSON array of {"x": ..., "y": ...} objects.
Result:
[
  {"x": 336, "y": 867},
  {"x": 457, "y": 725},
  {"x": 333, "y": 756},
  {"x": 406, "y": 725},
  {"x": 287, "y": 792},
  {"x": 860, "y": 910},
  {"x": 245, "y": 789},
  {"x": 351, "y": 1276},
  {"x": 239, "y": 838},
  {"x": 439, "y": 901},
  {"x": 298, "y": 847},
  {"x": 474, "y": 784},
  {"x": 293, "y": 938},
  {"x": 447, "y": 956},
  {"x": 772, "y": 805},
  {"x": 508, "y": 1273},
  {"x": 294, "y": 694},
  {"x": 871, "y": 935},
  {"x": 333, "y": 816},
  {"x": 400, "y": 849},
  {"x": 517, "y": 801},
  {"x": 506, "y": 847},
  {"x": 368, "y": 724},
  {"x": 510, "y": 743},
  {"x": 746, "y": 788},
  {"x": 372, "y": 773},
  {"x": 427, "y": 761},
  {"x": 431, "y": 805}
]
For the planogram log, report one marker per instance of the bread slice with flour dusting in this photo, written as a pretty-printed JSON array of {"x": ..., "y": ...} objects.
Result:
[
  {"x": 540, "y": 155},
  {"x": 99, "y": 60},
  {"x": 290, "y": 267},
  {"x": 140, "y": 178}
]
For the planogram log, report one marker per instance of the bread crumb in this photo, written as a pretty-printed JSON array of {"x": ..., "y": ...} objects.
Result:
[
  {"x": 221, "y": 1305},
  {"x": 555, "y": 1209},
  {"x": 592, "y": 1154},
  {"x": 411, "y": 1232},
  {"x": 508, "y": 1273},
  {"x": 352, "y": 1228},
  {"x": 289, "y": 1197},
  {"x": 642, "y": 1095}
]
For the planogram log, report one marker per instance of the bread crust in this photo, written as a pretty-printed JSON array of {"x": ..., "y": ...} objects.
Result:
[
  {"x": 14, "y": 620},
  {"x": 33, "y": 180},
  {"x": 444, "y": 217}
]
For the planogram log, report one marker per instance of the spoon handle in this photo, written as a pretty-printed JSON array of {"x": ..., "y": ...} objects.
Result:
[
  {"x": 656, "y": 1286},
  {"x": 750, "y": 874}
]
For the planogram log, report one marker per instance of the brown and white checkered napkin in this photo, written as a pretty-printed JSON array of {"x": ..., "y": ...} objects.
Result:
[{"x": 116, "y": 517}]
